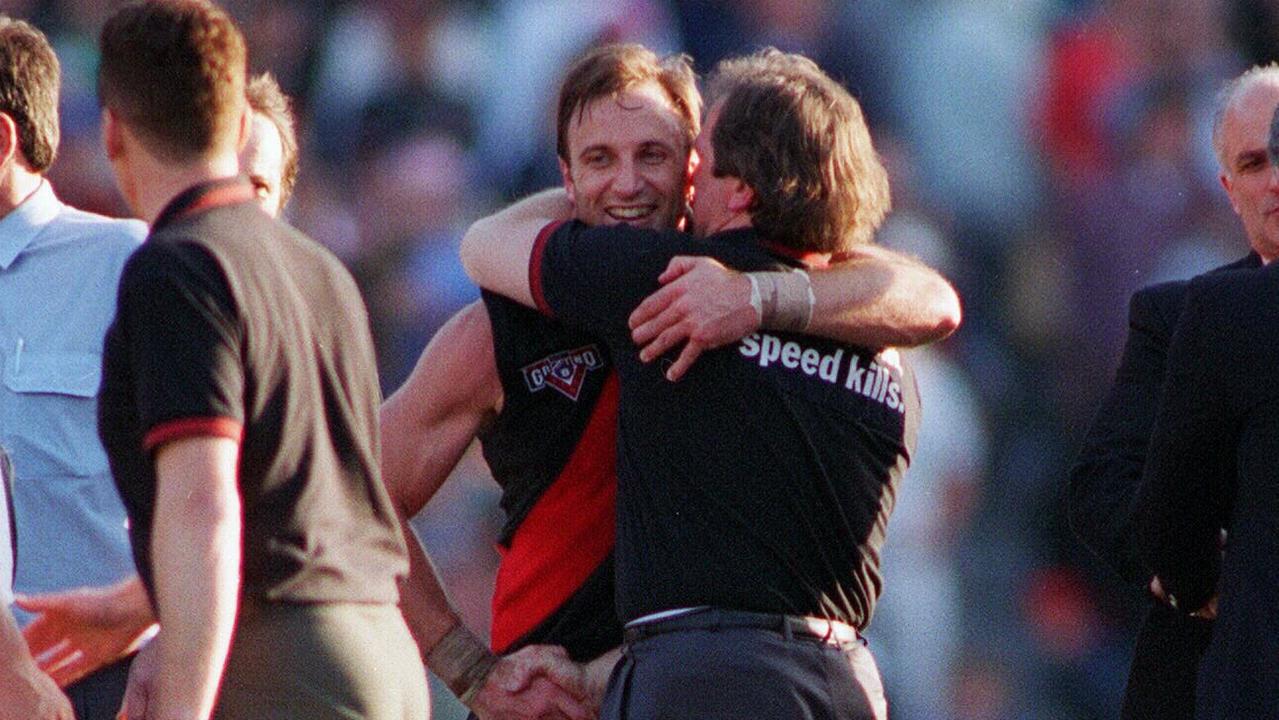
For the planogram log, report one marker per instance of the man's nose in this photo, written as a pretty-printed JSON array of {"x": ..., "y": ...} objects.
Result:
[{"x": 628, "y": 180}]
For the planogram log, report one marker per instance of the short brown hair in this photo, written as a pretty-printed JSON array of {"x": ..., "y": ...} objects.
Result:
[
  {"x": 29, "y": 83},
  {"x": 268, "y": 100},
  {"x": 174, "y": 72},
  {"x": 611, "y": 69},
  {"x": 799, "y": 140}
]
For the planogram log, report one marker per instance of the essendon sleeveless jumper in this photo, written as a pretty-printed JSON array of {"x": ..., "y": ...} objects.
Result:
[{"x": 553, "y": 451}]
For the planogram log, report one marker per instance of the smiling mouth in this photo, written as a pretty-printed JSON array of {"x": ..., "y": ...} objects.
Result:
[{"x": 631, "y": 214}]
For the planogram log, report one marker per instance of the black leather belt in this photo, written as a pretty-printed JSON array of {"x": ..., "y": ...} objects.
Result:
[{"x": 820, "y": 629}]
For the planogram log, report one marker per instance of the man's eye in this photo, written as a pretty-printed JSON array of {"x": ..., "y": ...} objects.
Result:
[
  {"x": 653, "y": 157},
  {"x": 596, "y": 160},
  {"x": 1252, "y": 164}
]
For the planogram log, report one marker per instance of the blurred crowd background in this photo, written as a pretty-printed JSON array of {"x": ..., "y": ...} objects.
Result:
[{"x": 1050, "y": 156}]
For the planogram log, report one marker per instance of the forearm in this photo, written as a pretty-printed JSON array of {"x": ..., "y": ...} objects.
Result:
[
  {"x": 1179, "y": 540},
  {"x": 1103, "y": 484},
  {"x": 196, "y": 557},
  {"x": 426, "y": 606},
  {"x": 496, "y": 249},
  {"x": 26, "y": 693},
  {"x": 450, "y": 650},
  {"x": 197, "y": 581},
  {"x": 15, "y": 658},
  {"x": 1179, "y": 516},
  {"x": 598, "y": 671},
  {"x": 880, "y": 299}
]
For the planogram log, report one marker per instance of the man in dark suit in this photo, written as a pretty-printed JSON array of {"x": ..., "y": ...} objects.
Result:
[
  {"x": 1214, "y": 462},
  {"x": 1104, "y": 481}
]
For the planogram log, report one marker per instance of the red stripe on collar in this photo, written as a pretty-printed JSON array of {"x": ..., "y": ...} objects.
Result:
[{"x": 205, "y": 196}]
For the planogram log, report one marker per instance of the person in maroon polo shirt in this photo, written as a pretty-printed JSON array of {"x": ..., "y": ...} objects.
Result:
[{"x": 239, "y": 409}]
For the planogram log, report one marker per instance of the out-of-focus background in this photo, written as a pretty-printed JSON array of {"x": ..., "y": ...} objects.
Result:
[{"x": 1050, "y": 156}]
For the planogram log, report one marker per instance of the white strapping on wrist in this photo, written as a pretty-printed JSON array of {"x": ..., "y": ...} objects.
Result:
[
  {"x": 462, "y": 662},
  {"x": 756, "y": 302},
  {"x": 786, "y": 299}
]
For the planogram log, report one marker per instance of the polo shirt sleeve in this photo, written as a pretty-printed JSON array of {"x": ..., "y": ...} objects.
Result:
[
  {"x": 594, "y": 277},
  {"x": 184, "y": 344}
]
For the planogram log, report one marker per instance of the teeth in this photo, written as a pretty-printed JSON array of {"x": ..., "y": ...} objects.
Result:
[{"x": 630, "y": 213}]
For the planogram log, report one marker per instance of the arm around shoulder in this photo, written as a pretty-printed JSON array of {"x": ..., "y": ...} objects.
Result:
[
  {"x": 876, "y": 299},
  {"x": 496, "y": 249},
  {"x": 880, "y": 298}
]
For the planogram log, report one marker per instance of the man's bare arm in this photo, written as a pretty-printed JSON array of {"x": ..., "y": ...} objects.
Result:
[
  {"x": 496, "y": 249},
  {"x": 196, "y": 555},
  {"x": 880, "y": 298},
  {"x": 876, "y": 298},
  {"x": 26, "y": 693},
  {"x": 427, "y": 425}
]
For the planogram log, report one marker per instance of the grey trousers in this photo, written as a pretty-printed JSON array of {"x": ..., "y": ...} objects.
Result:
[
  {"x": 732, "y": 672},
  {"x": 321, "y": 662}
]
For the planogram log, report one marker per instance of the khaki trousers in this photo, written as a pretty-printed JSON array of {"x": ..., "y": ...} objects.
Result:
[{"x": 324, "y": 661}]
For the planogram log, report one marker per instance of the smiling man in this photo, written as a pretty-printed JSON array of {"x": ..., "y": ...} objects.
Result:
[
  {"x": 542, "y": 396},
  {"x": 753, "y": 494}
]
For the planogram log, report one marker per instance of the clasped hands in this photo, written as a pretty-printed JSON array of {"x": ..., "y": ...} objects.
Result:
[{"x": 543, "y": 682}]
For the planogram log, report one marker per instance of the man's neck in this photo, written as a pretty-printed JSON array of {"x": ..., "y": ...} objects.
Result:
[
  {"x": 159, "y": 182},
  {"x": 16, "y": 185}
]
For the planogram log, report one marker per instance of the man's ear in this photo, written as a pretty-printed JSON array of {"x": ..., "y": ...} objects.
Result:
[
  {"x": 742, "y": 197},
  {"x": 1228, "y": 186},
  {"x": 8, "y": 139},
  {"x": 112, "y": 135},
  {"x": 567, "y": 174}
]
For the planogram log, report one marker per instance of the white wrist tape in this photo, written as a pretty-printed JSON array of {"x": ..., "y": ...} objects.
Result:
[
  {"x": 786, "y": 299},
  {"x": 756, "y": 301},
  {"x": 462, "y": 661}
]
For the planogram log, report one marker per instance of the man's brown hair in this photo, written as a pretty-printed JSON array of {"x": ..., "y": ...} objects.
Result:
[
  {"x": 174, "y": 72},
  {"x": 608, "y": 70},
  {"x": 268, "y": 100},
  {"x": 29, "y": 83},
  {"x": 799, "y": 140}
]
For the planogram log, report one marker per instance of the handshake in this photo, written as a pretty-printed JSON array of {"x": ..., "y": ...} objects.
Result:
[{"x": 538, "y": 681}]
